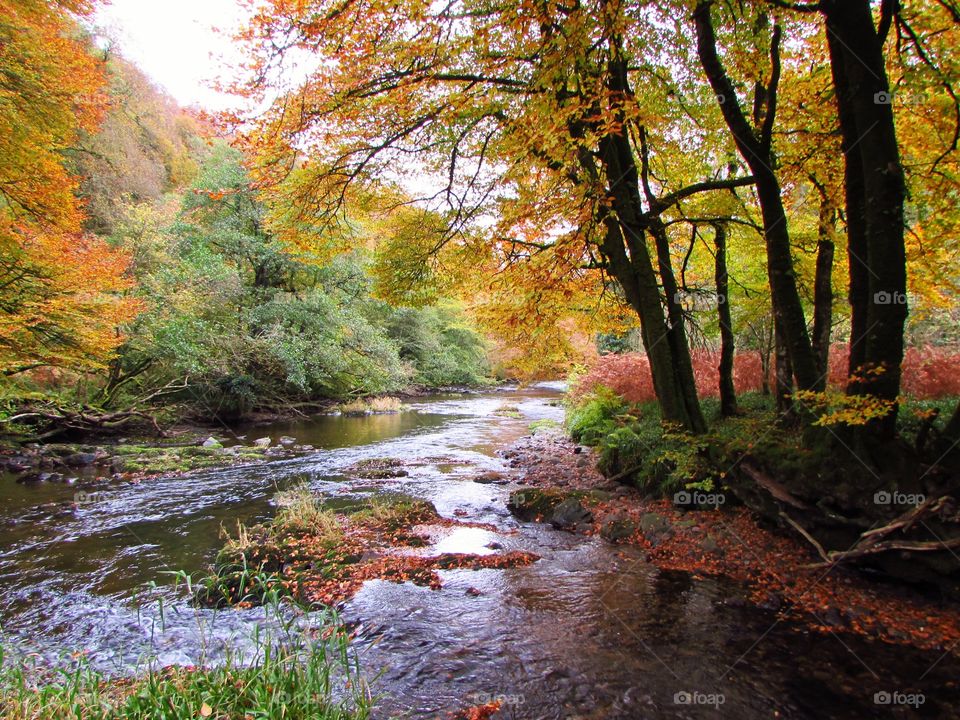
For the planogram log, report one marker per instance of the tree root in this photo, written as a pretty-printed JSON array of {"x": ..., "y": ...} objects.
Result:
[{"x": 873, "y": 542}]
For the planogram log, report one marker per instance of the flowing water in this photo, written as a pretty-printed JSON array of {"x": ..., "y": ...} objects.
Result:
[{"x": 589, "y": 631}]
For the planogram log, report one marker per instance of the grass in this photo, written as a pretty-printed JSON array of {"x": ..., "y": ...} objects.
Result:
[
  {"x": 248, "y": 570},
  {"x": 545, "y": 424},
  {"x": 297, "y": 676},
  {"x": 372, "y": 406},
  {"x": 508, "y": 411},
  {"x": 396, "y": 512}
]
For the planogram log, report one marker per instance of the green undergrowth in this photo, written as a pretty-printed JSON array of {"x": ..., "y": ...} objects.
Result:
[{"x": 636, "y": 446}]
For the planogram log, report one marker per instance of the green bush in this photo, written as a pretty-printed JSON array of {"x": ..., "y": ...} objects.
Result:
[{"x": 592, "y": 418}]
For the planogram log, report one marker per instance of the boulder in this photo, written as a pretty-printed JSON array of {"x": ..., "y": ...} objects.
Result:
[
  {"x": 491, "y": 478},
  {"x": 570, "y": 515},
  {"x": 287, "y": 441},
  {"x": 81, "y": 459},
  {"x": 529, "y": 503},
  {"x": 212, "y": 442},
  {"x": 617, "y": 527},
  {"x": 263, "y": 442},
  {"x": 655, "y": 527}
]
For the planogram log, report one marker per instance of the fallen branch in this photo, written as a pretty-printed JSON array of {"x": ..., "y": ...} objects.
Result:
[
  {"x": 86, "y": 420},
  {"x": 872, "y": 542}
]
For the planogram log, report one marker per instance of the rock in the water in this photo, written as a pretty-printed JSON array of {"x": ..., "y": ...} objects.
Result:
[
  {"x": 570, "y": 515},
  {"x": 80, "y": 459},
  {"x": 617, "y": 527},
  {"x": 491, "y": 478},
  {"x": 530, "y": 503},
  {"x": 212, "y": 442},
  {"x": 287, "y": 441},
  {"x": 20, "y": 463},
  {"x": 263, "y": 442}
]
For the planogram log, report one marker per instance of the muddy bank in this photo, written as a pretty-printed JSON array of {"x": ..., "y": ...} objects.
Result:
[{"x": 703, "y": 534}]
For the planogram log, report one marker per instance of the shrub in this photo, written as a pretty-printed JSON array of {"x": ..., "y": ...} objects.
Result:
[{"x": 593, "y": 417}]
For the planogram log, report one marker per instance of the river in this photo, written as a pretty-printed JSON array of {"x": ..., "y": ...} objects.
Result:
[{"x": 589, "y": 631}]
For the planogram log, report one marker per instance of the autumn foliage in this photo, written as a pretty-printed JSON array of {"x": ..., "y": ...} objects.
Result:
[
  {"x": 60, "y": 290},
  {"x": 932, "y": 372}
]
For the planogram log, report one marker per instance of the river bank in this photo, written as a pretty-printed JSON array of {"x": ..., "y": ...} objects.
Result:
[
  {"x": 591, "y": 629},
  {"x": 779, "y": 572},
  {"x": 146, "y": 450}
]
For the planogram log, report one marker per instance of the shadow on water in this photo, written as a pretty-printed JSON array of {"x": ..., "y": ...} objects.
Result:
[{"x": 589, "y": 631}]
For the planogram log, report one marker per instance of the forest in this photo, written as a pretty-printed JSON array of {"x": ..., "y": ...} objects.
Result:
[{"x": 727, "y": 230}]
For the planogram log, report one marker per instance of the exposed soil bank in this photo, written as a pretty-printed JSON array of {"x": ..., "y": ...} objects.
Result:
[{"x": 780, "y": 572}]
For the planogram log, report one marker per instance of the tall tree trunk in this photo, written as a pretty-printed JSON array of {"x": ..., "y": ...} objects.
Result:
[
  {"x": 663, "y": 339},
  {"x": 728, "y": 394},
  {"x": 859, "y": 289},
  {"x": 873, "y": 153},
  {"x": 784, "y": 376},
  {"x": 676, "y": 328},
  {"x": 755, "y": 145},
  {"x": 823, "y": 287}
]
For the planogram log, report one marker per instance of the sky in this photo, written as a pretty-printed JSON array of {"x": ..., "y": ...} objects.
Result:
[{"x": 176, "y": 43}]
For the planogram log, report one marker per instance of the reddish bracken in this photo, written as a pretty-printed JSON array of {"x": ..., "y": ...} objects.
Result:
[{"x": 931, "y": 372}]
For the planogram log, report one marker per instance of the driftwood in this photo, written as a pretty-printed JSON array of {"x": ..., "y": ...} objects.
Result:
[
  {"x": 85, "y": 420},
  {"x": 873, "y": 542}
]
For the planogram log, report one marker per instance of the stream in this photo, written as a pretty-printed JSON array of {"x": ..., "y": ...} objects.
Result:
[{"x": 590, "y": 631}]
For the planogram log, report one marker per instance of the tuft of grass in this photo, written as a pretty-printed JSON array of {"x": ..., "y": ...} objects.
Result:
[
  {"x": 298, "y": 676},
  {"x": 301, "y": 511},
  {"x": 396, "y": 512},
  {"x": 372, "y": 406},
  {"x": 545, "y": 424},
  {"x": 508, "y": 411}
]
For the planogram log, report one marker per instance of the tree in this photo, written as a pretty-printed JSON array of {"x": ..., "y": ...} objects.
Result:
[
  {"x": 525, "y": 112},
  {"x": 61, "y": 292},
  {"x": 755, "y": 144}
]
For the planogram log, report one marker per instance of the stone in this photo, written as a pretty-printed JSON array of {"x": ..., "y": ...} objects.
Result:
[
  {"x": 617, "y": 527},
  {"x": 263, "y": 442},
  {"x": 709, "y": 545},
  {"x": 212, "y": 442},
  {"x": 570, "y": 515},
  {"x": 655, "y": 527},
  {"x": 19, "y": 463},
  {"x": 287, "y": 441},
  {"x": 491, "y": 478},
  {"x": 529, "y": 503},
  {"x": 81, "y": 459}
]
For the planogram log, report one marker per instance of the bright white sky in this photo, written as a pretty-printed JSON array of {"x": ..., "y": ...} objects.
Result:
[{"x": 176, "y": 43}]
